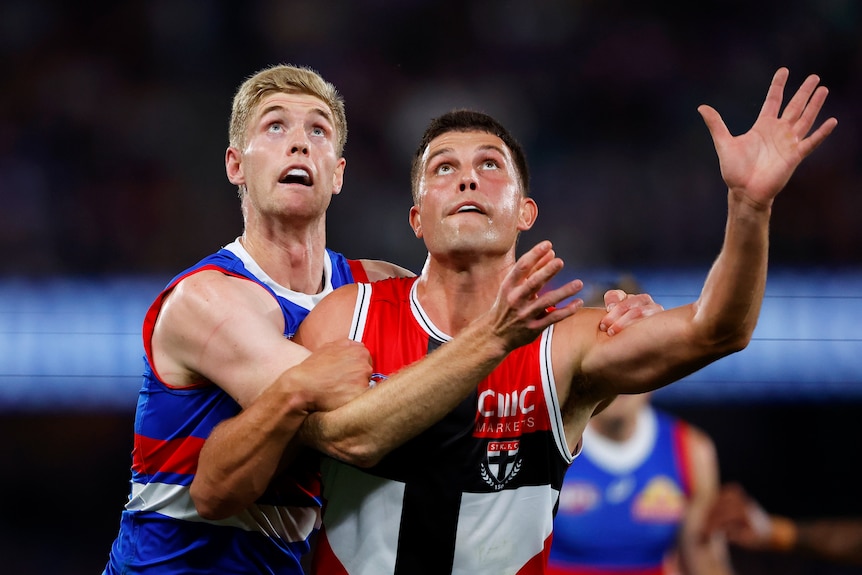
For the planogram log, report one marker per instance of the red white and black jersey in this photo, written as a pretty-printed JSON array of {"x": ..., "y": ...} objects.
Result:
[{"x": 475, "y": 493}]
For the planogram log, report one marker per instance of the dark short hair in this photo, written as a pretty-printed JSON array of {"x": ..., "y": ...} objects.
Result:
[{"x": 463, "y": 120}]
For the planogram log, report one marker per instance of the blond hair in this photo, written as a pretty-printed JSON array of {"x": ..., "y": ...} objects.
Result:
[{"x": 289, "y": 80}]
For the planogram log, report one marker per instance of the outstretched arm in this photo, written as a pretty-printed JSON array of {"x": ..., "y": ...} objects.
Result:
[
  {"x": 413, "y": 399},
  {"x": 755, "y": 167}
]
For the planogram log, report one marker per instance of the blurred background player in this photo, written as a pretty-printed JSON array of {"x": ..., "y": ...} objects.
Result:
[{"x": 746, "y": 524}]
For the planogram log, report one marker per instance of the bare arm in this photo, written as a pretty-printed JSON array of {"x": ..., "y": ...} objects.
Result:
[
  {"x": 672, "y": 344},
  {"x": 414, "y": 398},
  {"x": 699, "y": 555}
]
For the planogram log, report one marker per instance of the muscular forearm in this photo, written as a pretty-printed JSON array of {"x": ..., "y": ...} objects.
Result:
[
  {"x": 410, "y": 401},
  {"x": 243, "y": 453},
  {"x": 730, "y": 302}
]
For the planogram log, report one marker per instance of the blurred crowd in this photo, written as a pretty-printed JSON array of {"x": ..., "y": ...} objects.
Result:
[{"x": 113, "y": 121}]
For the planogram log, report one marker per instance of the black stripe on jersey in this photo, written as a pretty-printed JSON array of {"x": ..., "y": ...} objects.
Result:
[{"x": 429, "y": 521}]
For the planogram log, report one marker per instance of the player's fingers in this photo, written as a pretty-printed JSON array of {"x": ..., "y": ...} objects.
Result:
[
  {"x": 775, "y": 94},
  {"x": 553, "y": 297},
  {"x": 555, "y": 314},
  {"x": 541, "y": 275},
  {"x": 614, "y": 296},
  {"x": 796, "y": 106},
  {"x": 527, "y": 262}
]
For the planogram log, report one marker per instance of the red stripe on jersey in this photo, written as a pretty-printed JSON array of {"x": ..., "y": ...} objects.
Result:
[
  {"x": 539, "y": 563},
  {"x": 358, "y": 271},
  {"x": 172, "y": 456},
  {"x": 324, "y": 560}
]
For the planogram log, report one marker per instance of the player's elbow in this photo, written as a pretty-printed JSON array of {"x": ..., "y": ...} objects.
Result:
[
  {"x": 723, "y": 335},
  {"x": 728, "y": 342},
  {"x": 211, "y": 505},
  {"x": 357, "y": 453}
]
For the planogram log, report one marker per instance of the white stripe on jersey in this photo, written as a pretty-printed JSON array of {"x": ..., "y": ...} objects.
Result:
[
  {"x": 287, "y": 523},
  {"x": 552, "y": 403},
  {"x": 360, "y": 312}
]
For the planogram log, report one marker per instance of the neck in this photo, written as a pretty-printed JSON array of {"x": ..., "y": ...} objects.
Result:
[
  {"x": 294, "y": 260},
  {"x": 616, "y": 428},
  {"x": 454, "y": 295}
]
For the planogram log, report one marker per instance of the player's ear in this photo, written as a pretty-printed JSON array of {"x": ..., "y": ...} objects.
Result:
[
  {"x": 528, "y": 215},
  {"x": 415, "y": 221},
  {"x": 233, "y": 166},
  {"x": 338, "y": 176}
]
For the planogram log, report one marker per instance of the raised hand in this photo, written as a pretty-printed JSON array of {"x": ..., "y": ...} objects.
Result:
[
  {"x": 759, "y": 163},
  {"x": 521, "y": 310}
]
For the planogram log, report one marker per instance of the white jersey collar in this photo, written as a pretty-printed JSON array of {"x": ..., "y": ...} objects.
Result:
[
  {"x": 623, "y": 456},
  {"x": 307, "y": 301}
]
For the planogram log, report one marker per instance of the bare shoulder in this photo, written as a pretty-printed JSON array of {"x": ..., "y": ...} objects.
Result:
[
  {"x": 381, "y": 270},
  {"x": 329, "y": 320},
  {"x": 213, "y": 292},
  {"x": 211, "y": 323}
]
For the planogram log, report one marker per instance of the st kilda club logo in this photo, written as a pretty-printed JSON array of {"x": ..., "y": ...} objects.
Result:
[{"x": 501, "y": 463}]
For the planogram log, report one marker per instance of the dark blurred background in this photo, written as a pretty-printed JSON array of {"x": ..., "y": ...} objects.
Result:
[{"x": 113, "y": 127}]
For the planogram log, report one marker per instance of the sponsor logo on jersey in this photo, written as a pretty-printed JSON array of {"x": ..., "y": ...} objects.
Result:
[
  {"x": 661, "y": 501},
  {"x": 499, "y": 414},
  {"x": 620, "y": 489},
  {"x": 578, "y": 497}
]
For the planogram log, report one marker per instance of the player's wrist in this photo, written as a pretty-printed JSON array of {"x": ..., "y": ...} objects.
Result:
[
  {"x": 293, "y": 395},
  {"x": 484, "y": 337},
  {"x": 783, "y": 534}
]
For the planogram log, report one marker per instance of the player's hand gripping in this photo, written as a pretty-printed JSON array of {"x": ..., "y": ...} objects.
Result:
[
  {"x": 338, "y": 371},
  {"x": 522, "y": 310},
  {"x": 625, "y": 309}
]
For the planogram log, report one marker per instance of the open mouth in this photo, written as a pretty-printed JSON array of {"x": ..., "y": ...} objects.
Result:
[
  {"x": 296, "y": 176},
  {"x": 468, "y": 208}
]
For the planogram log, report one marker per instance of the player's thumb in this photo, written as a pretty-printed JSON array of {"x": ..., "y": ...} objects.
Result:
[{"x": 713, "y": 122}]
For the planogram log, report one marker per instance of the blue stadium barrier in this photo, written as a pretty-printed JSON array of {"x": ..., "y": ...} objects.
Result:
[{"x": 75, "y": 343}]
